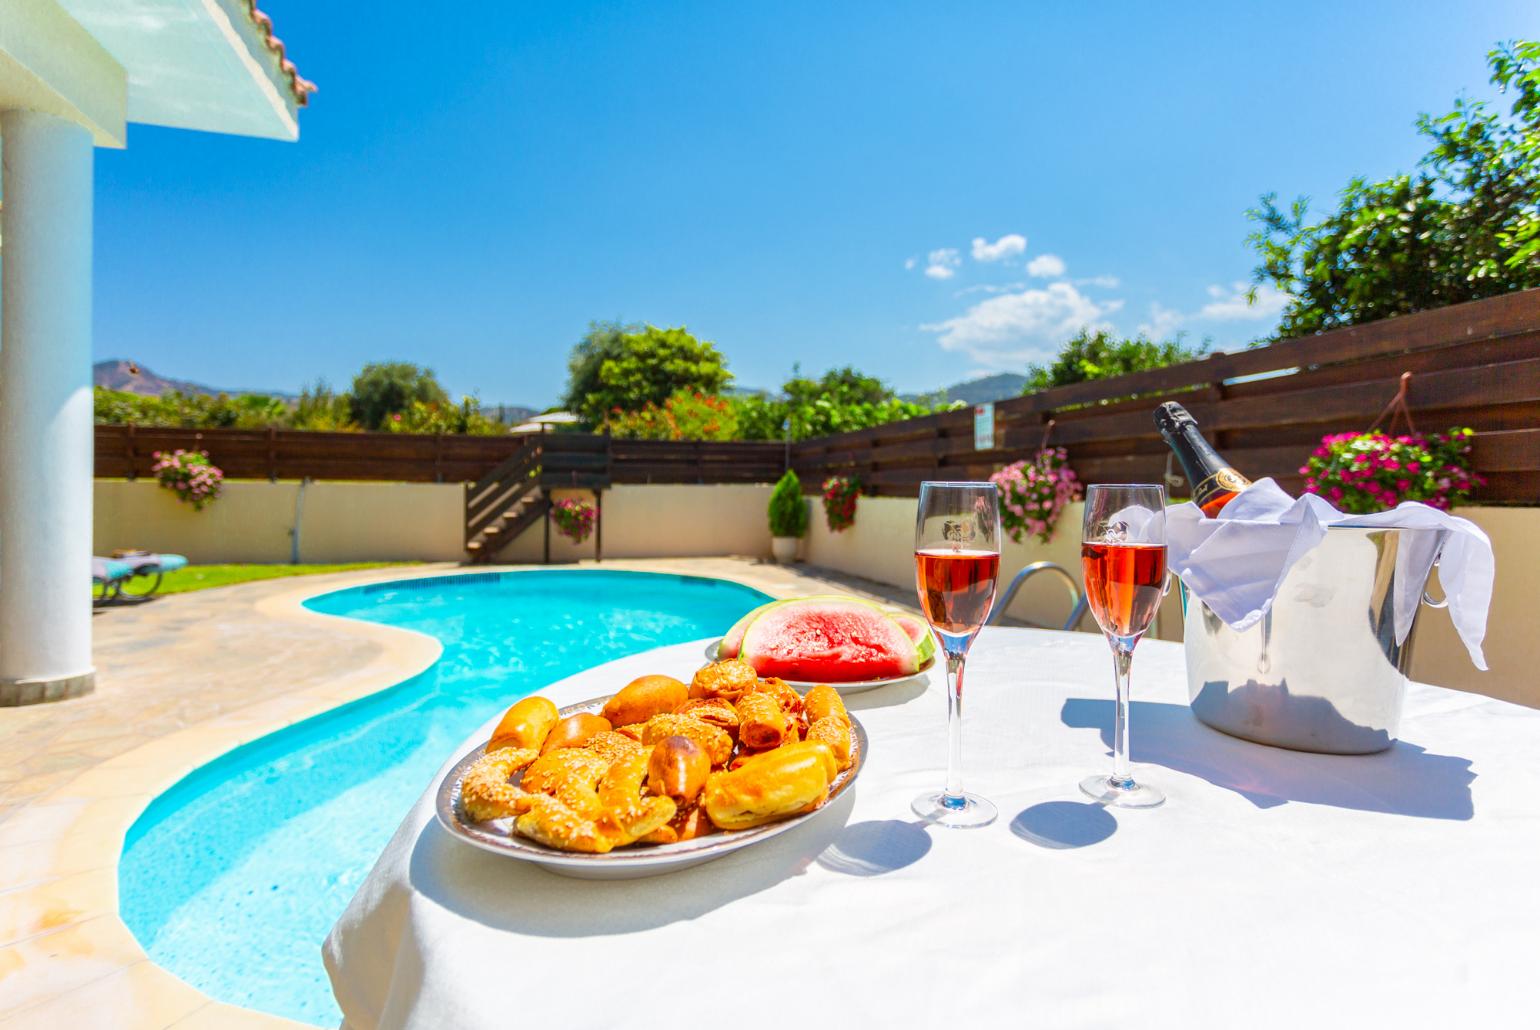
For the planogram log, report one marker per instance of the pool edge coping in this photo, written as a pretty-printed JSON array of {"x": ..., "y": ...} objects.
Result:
[{"x": 75, "y": 900}]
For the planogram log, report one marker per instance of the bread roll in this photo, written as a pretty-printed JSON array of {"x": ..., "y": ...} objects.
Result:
[
  {"x": 715, "y": 742},
  {"x": 575, "y": 731},
  {"x": 717, "y": 711},
  {"x": 525, "y": 725},
  {"x": 780, "y": 783},
  {"x": 836, "y": 734},
  {"x": 677, "y": 769},
  {"x": 643, "y": 698}
]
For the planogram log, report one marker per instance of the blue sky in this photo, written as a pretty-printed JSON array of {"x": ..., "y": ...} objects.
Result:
[{"x": 927, "y": 191}]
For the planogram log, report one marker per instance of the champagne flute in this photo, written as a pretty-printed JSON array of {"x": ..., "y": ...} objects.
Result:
[
  {"x": 1123, "y": 552},
  {"x": 956, "y": 560}
]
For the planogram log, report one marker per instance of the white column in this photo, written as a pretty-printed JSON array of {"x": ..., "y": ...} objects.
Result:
[{"x": 46, "y": 461}]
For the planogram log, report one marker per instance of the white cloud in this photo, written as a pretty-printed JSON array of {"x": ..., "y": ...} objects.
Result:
[
  {"x": 1231, "y": 305},
  {"x": 909, "y": 264},
  {"x": 1046, "y": 266},
  {"x": 989, "y": 288},
  {"x": 1006, "y": 246},
  {"x": 942, "y": 263},
  {"x": 1162, "y": 323},
  {"x": 1010, "y": 330},
  {"x": 1109, "y": 282}
]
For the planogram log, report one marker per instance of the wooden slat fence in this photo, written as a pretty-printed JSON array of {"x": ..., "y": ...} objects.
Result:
[{"x": 1475, "y": 364}]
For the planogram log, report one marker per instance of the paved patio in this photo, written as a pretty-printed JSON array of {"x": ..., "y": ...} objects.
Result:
[{"x": 181, "y": 680}]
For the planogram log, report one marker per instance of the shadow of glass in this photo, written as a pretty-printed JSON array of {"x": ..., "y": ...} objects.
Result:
[
  {"x": 1403, "y": 780},
  {"x": 1062, "y": 825},
  {"x": 514, "y": 896},
  {"x": 876, "y": 847}
]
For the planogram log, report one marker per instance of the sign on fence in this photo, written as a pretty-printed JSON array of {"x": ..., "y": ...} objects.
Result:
[{"x": 984, "y": 427}]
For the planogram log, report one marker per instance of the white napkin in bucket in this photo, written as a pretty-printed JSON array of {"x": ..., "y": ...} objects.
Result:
[{"x": 1236, "y": 562}]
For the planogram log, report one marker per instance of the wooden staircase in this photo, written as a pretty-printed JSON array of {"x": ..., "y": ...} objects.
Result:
[{"x": 503, "y": 503}]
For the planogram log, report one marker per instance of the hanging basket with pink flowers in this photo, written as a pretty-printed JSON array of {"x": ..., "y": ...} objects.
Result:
[
  {"x": 1033, "y": 493},
  {"x": 190, "y": 475},
  {"x": 574, "y": 519}
]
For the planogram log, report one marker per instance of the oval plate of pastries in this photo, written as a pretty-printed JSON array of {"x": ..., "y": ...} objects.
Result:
[{"x": 658, "y": 777}]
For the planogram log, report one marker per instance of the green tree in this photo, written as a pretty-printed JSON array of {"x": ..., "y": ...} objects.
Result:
[
  {"x": 1100, "y": 355},
  {"x": 788, "y": 508},
  {"x": 1465, "y": 225},
  {"x": 321, "y": 408},
  {"x": 617, "y": 368},
  {"x": 841, "y": 400},
  {"x": 388, "y": 388}
]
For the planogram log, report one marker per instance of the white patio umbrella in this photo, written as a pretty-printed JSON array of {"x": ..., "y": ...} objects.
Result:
[{"x": 73, "y": 74}]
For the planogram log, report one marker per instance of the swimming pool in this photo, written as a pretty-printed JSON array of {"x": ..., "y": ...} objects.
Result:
[{"x": 232, "y": 878}]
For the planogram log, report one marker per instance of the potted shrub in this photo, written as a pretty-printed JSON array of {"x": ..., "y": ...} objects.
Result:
[{"x": 788, "y": 518}]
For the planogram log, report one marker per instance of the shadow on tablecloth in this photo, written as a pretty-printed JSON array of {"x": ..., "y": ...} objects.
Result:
[
  {"x": 509, "y": 895},
  {"x": 1404, "y": 780},
  {"x": 1063, "y": 825}
]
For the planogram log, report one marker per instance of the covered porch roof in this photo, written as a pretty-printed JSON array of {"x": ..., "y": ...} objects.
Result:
[{"x": 207, "y": 65}]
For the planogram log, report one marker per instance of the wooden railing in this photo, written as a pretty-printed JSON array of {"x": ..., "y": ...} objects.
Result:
[
  {"x": 1475, "y": 364},
  {"x": 504, "y": 502}
]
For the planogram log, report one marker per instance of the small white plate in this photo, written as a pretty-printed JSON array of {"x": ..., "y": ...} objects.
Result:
[
  {"x": 852, "y": 687},
  {"x": 629, "y": 862}
]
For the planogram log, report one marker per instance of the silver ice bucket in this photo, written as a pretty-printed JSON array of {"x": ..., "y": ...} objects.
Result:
[{"x": 1325, "y": 669}]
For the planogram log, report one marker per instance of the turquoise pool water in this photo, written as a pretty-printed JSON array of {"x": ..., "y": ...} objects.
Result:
[{"x": 232, "y": 878}]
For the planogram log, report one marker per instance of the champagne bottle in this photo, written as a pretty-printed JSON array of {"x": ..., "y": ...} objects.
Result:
[{"x": 1213, "y": 481}]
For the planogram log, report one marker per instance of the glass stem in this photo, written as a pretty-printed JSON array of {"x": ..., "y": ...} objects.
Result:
[
  {"x": 953, "y": 797},
  {"x": 1122, "y": 659}
]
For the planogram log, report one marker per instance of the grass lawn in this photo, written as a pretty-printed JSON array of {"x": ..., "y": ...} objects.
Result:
[{"x": 201, "y": 577}]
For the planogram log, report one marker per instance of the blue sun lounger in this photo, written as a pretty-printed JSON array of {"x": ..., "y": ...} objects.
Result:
[{"x": 120, "y": 577}]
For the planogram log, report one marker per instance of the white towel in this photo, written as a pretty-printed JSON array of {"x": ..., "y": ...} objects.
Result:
[{"x": 1236, "y": 562}]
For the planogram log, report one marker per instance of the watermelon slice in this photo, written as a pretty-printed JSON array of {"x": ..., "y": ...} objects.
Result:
[
  {"x": 919, "y": 631},
  {"x": 841, "y": 640},
  {"x": 730, "y": 644}
]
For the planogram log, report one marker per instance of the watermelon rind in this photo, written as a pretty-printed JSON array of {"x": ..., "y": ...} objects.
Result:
[
  {"x": 837, "y": 640},
  {"x": 919, "y": 631}
]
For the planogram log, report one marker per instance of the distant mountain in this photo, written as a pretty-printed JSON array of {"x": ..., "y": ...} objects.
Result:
[
  {"x": 509, "y": 414},
  {"x": 132, "y": 377},
  {"x": 997, "y": 387}
]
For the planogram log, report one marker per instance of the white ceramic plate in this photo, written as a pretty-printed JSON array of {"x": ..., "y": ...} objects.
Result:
[
  {"x": 854, "y": 687},
  {"x": 629, "y": 862}
]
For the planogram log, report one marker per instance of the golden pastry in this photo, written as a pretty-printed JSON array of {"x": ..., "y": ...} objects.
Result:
[
  {"x": 824, "y": 703},
  {"x": 485, "y": 791},
  {"x": 762, "y": 723},
  {"x": 688, "y": 823},
  {"x": 622, "y": 817},
  {"x": 677, "y": 769},
  {"x": 643, "y": 698},
  {"x": 836, "y": 734},
  {"x": 525, "y": 725},
  {"x": 718, "y": 711},
  {"x": 634, "y": 731},
  {"x": 730, "y": 679},
  {"x": 716, "y": 743},
  {"x": 790, "y": 701},
  {"x": 575, "y": 731},
  {"x": 570, "y": 774},
  {"x": 613, "y": 744},
  {"x": 784, "y": 782}
]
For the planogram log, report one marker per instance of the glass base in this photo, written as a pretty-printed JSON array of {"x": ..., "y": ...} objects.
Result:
[
  {"x": 1125, "y": 795},
  {"x": 943, "y": 811}
]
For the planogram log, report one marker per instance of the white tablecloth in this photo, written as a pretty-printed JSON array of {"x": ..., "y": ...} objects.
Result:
[{"x": 1273, "y": 888}]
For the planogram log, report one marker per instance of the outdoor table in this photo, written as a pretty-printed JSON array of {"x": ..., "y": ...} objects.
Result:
[{"x": 1274, "y": 888}]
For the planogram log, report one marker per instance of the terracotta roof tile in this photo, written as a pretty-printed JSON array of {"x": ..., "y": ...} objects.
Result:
[{"x": 301, "y": 86}]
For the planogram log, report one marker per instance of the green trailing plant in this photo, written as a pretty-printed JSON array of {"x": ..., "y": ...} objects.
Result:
[{"x": 788, "y": 508}]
